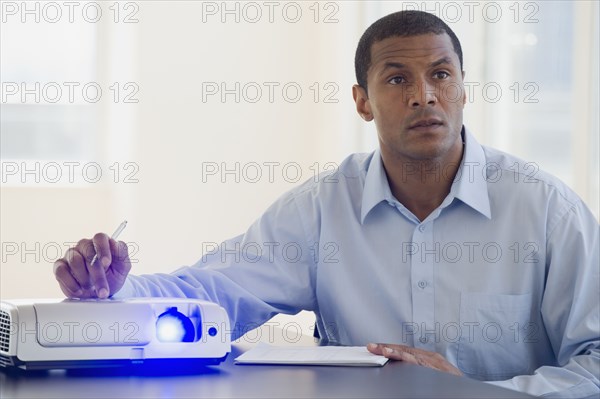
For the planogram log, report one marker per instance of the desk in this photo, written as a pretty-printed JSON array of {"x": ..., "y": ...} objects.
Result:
[{"x": 394, "y": 380}]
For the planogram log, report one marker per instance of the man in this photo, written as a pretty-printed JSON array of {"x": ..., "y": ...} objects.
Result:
[{"x": 455, "y": 252}]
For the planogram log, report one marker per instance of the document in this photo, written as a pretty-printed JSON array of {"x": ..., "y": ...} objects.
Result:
[{"x": 311, "y": 355}]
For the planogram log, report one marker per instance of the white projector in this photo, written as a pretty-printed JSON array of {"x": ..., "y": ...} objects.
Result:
[{"x": 43, "y": 334}]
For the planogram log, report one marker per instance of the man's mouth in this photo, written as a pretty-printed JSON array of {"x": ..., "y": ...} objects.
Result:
[{"x": 430, "y": 123}]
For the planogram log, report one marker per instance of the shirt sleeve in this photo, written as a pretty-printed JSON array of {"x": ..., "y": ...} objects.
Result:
[
  {"x": 268, "y": 270},
  {"x": 570, "y": 311}
]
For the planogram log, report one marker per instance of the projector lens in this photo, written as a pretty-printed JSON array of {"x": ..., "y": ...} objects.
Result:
[{"x": 173, "y": 326}]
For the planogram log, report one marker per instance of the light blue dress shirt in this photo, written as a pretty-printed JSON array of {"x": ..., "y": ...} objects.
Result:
[{"x": 502, "y": 278}]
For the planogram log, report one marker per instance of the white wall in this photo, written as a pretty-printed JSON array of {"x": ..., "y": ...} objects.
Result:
[{"x": 178, "y": 133}]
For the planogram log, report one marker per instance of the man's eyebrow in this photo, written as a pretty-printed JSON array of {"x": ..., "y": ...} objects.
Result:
[
  {"x": 396, "y": 65},
  {"x": 443, "y": 60}
]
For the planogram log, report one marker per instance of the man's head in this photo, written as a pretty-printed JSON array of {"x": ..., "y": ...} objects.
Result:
[
  {"x": 411, "y": 63},
  {"x": 402, "y": 23}
]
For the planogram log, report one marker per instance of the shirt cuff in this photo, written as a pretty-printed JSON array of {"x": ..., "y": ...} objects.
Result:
[{"x": 126, "y": 291}]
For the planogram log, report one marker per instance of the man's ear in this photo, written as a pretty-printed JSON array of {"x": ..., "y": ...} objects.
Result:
[
  {"x": 363, "y": 107},
  {"x": 465, "y": 92}
]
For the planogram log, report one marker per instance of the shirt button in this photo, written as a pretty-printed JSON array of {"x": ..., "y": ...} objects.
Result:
[
  {"x": 422, "y": 284},
  {"x": 423, "y": 340},
  {"x": 422, "y": 228}
]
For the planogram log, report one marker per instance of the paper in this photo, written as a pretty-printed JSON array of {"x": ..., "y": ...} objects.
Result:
[{"x": 311, "y": 355}]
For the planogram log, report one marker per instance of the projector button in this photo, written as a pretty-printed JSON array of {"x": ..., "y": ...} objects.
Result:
[{"x": 136, "y": 353}]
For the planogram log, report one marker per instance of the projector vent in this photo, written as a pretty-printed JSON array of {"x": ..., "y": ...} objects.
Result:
[
  {"x": 4, "y": 331},
  {"x": 5, "y": 361}
]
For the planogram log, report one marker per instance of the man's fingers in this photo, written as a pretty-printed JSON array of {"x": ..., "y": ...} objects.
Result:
[
  {"x": 398, "y": 354},
  {"x": 98, "y": 265},
  {"x": 102, "y": 249},
  {"x": 410, "y": 357},
  {"x": 120, "y": 266},
  {"x": 121, "y": 263},
  {"x": 376, "y": 349},
  {"x": 82, "y": 272},
  {"x": 68, "y": 283},
  {"x": 86, "y": 248},
  {"x": 414, "y": 359},
  {"x": 419, "y": 357},
  {"x": 379, "y": 349},
  {"x": 98, "y": 279},
  {"x": 77, "y": 268}
]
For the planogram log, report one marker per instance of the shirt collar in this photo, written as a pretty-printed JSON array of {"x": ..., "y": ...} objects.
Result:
[
  {"x": 376, "y": 188},
  {"x": 469, "y": 186}
]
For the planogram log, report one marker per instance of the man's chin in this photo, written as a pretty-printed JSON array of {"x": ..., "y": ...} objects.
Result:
[
  {"x": 429, "y": 151},
  {"x": 434, "y": 146}
]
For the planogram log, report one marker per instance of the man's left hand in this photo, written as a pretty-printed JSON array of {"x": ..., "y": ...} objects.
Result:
[{"x": 408, "y": 354}]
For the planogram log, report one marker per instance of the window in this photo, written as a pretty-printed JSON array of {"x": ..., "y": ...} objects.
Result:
[{"x": 49, "y": 85}]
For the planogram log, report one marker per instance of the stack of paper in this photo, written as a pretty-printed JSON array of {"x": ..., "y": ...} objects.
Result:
[{"x": 311, "y": 355}]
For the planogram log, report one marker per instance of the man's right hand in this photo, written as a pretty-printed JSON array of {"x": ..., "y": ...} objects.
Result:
[{"x": 80, "y": 275}]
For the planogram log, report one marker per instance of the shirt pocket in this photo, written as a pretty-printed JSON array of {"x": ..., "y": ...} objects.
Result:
[{"x": 490, "y": 346}]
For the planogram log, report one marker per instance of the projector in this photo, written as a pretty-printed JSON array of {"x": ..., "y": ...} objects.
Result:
[{"x": 71, "y": 333}]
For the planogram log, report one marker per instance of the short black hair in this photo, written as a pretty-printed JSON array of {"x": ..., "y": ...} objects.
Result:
[{"x": 401, "y": 23}]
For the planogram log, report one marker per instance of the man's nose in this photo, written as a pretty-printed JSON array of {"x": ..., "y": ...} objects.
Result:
[{"x": 420, "y": 94}]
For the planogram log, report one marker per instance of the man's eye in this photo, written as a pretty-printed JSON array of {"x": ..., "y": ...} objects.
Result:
[
  {"x": 441, "y": 75},
  {"x": 396, "y": 80}
]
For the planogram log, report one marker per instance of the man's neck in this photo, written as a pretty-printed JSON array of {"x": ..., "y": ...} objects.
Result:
[{"x": 422, "y": 185}]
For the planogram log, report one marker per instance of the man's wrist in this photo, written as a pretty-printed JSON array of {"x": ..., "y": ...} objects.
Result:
[{"x": 126, "y": 291}]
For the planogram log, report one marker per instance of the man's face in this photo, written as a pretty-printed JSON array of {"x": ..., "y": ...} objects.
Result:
[{"x": 416, "y": 97}]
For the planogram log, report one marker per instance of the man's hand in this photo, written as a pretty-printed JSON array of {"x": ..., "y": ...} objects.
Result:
[
  {"x": 421, "y": 357},
  {"x": 81, "y": 274}
]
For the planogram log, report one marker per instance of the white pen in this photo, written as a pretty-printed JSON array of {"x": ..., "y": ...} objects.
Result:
[
  {"x": 114, "y": 236},
  {"x": 119, "y": 229}
]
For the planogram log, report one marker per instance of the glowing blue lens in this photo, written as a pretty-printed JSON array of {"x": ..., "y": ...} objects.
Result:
[
  {"x": 173, "y": 326},
  {"x": 170, "y": 329}
]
